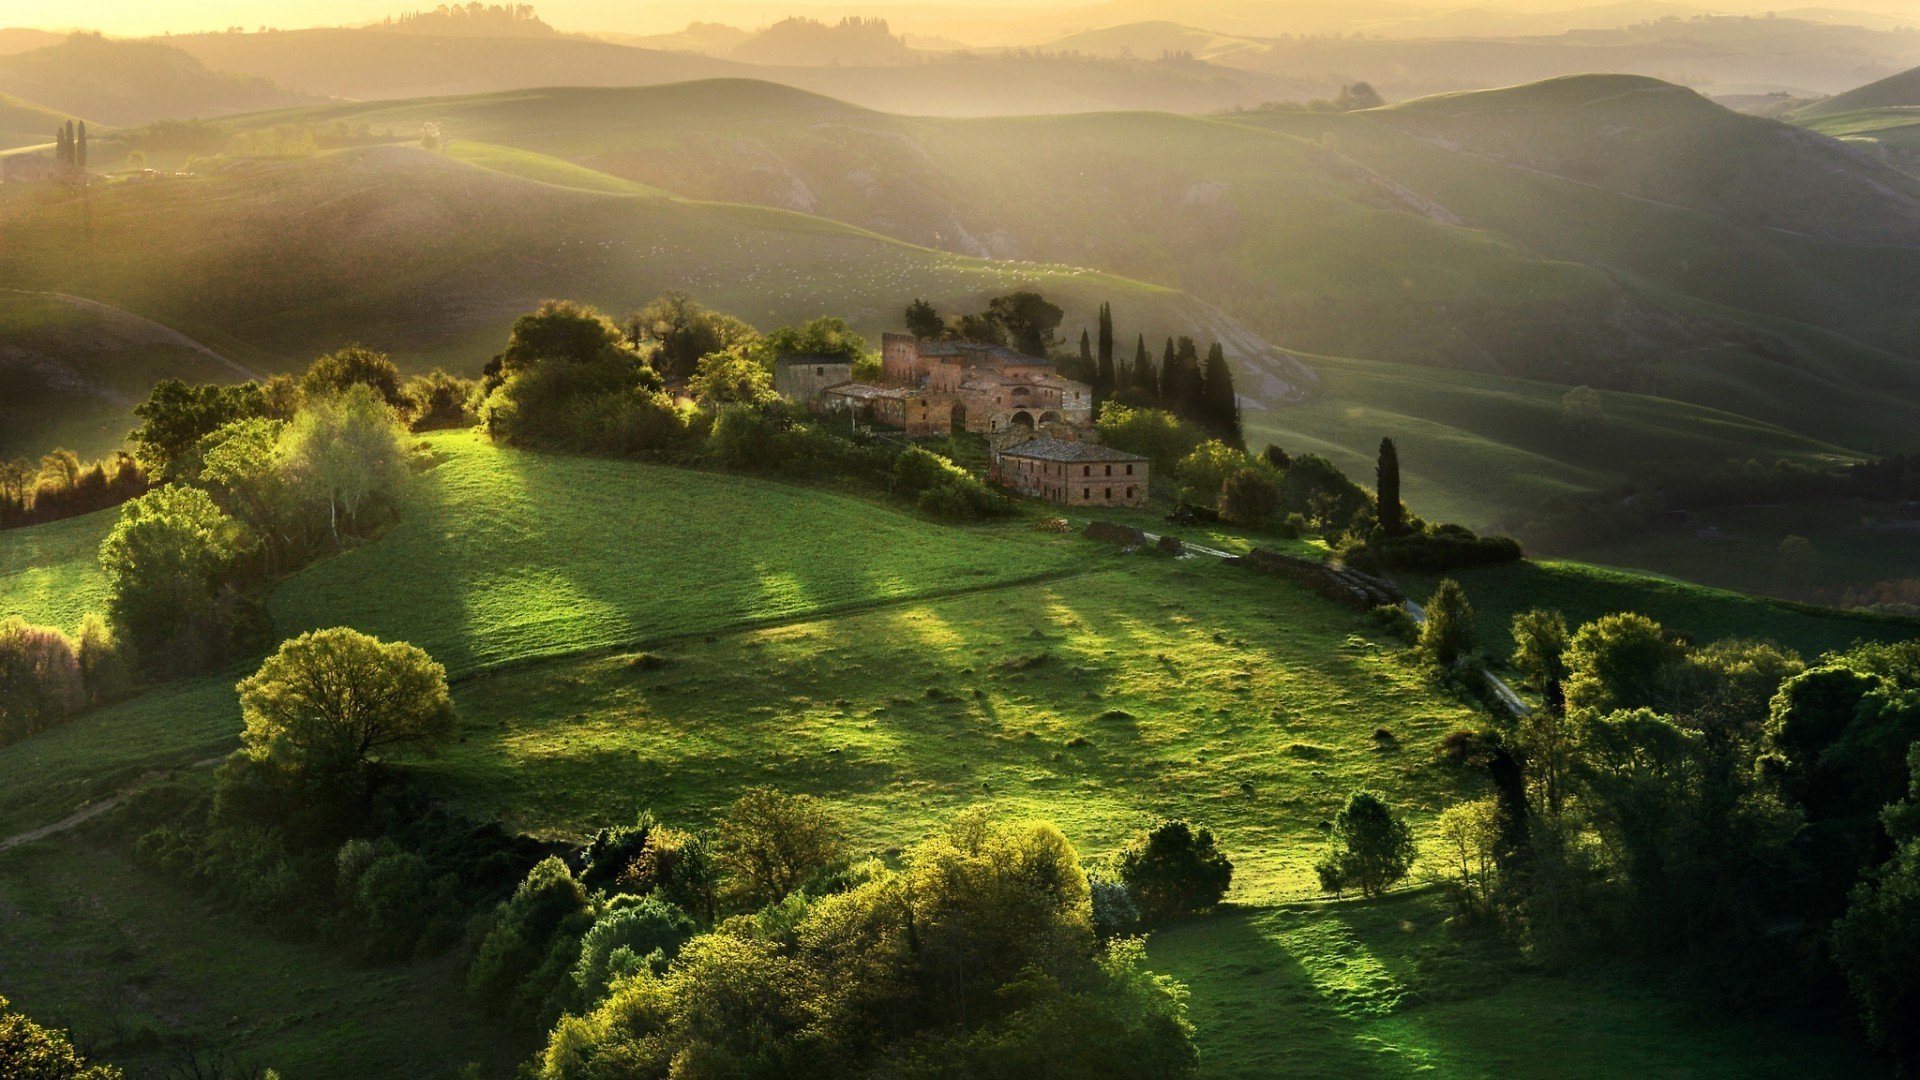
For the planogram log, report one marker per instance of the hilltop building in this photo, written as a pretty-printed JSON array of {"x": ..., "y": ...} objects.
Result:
[
  {"x": 1071, "y": 473},
  {"x": 933, "y": 387}
]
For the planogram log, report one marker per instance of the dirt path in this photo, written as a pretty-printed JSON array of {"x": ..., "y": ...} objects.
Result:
[{"x": 94, "y": 809}]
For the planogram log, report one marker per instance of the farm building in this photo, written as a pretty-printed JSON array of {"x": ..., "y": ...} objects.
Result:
[
  {"x": 933, "y": 387},
  {"x": 1072, "y": 473},
  {"x": 803, "y": 377}
]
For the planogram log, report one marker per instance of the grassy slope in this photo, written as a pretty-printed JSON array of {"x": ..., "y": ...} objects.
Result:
[
  {"x": 1199, "y": 690},
  {"x": 50, "y": 574},
  {"x": 23, "y": 123}
]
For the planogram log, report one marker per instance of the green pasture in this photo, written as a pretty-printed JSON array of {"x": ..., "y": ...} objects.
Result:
[{"x": 50, "y": 574}]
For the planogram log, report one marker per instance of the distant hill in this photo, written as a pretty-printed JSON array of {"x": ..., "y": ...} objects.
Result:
[
  {"x": 273, "y": 262},
  {"x": 132, "y": 82},
  {"x": 1403, "y": 235},
  {"x": 1894, "y": 91},
  {"x": 23, "y": 123},
  {"x": 852, "y": 42},
  {"x": 19, "y": 40},
  {"x": 713, "y": 39},
  {"x": 371, "y": 65},
  {"x": 1150, "y": 39},
  {"x": 1655, "y": 141}
]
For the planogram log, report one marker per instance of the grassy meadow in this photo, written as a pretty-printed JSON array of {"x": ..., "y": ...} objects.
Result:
[
  {"x": 50, "y": 574},
  {"x": 666, "y": 637}
]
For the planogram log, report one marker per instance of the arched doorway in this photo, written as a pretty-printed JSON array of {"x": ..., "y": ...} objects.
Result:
[
  {"x": 959, "y": 417},
  {"x": 1022, "y": 419},
  {"x": 1049, "y": 417}
]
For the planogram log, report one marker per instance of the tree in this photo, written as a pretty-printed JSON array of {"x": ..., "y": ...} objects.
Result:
[
  {"x": 176, "y": 416},
  {"x": 1539, "y": 654},
  {"x": 1369, "y": 844},
  {"x": 1089, "y": 369},
  {"x": 1153, "y": 433},
  {"x": 1393, "y": 516},
  {"x": 1470, "y": 834},
  {"x": 1447, "y": 636},
  {"x": 731, "y": 376},
  {"x": 1108, "y": 378},
  {"x": 242, "y": 470},
  {"x": 170, "y": 550},
  {"x": 1623, "y": 661},
  {"x": 1358, "y": 96},
  {"x": 41, "y": 681},
  {"x": 1250, "y": 497},
  {"x": 1174, "y": 870},
  {"x": 1877, "y": 942},
  {"x": 1220, "y": 405},
  {"x": 348, "y": 452},
  {"x": 1029, "y": 321},
  {"x": 62, "y": 153},
  {"x": 681, "y": 331},
  {"x": 31, "y": 1052},
  {"x": 329, "y": 699},
  {"x": 1145, "y": 378},
  {"x": 80, "y": 146},
  {"x": 355, "y": 365},
  {"x": 562, "y": 331},
  {"x": 770, "y": 843},
  {"x": 825, "y": 336},
  {"x": 1583, "y": 410},
  {"x": 1204, "y": 472},
  {"x": 438, "y": 400},
  {"x": 923, "y": 321}
]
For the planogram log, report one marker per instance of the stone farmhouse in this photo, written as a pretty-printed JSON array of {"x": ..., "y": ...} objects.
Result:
[
  {"x": 1071, "y": 473},
  {"x": 1035, "y": 420},
  {"x": 933, "y": 387}
]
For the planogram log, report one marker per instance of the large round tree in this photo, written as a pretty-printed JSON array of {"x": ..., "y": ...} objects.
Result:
[{"x": 330, "y": 699}]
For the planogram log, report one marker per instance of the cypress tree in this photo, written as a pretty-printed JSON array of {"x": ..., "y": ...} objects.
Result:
[
  {"x": 1087, "y": 371},
  {"x": 1186, "y": 391},
  {"x": 1222, "y": 405},
  {"x": 80, "y": 147},
  {"x": 60, "y": 144},
  {"x": 1144, "y": 376},
  {"x": 69, "y": 142},
  {"x": 1108, "y": 379},
  {"x": 1392, "y": 521},
  {"x": 1169, "y": 379}
]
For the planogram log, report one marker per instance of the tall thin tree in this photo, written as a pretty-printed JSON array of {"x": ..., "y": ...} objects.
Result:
[
  {"x": 1105, "y": 350},
  {"x": 1393, "y": 519},
  {"x": 80, "y": 147},
  {"x": 1144, "y": 376},
  {"x": 60, "y": 144},
  {"x": 1087, "y": 370},
  {"x": 1222, "y": 404},
  {"x": 1186, "y": 390}
]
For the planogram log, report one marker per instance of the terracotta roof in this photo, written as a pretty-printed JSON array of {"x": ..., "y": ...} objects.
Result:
[{"x": 1067, "y": 450}]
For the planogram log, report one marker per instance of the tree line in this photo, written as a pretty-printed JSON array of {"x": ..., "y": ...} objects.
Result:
[{"x": 1731, "y": 804}]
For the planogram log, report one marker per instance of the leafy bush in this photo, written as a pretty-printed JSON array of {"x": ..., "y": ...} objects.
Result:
[
  {"x": 1436, "y": 551},
  {"x": 1174, "y": 870},
  {"x": 647, "y": 930},
  {"x": 1250, "y": 497},
  {"x": 41, "y": 679},
  {"x": 394, "y": 902},
  {"x": 1395, "y": 622},
  {"x": 525, "y": 960},
  {"x": 1114, "y": 912},
  {"x": 438, "y": 401},
  {"x": 31, "y": 1052},
  {"x": 1370, "y": 847},
  {"x": 771, "y": 842},
  {"x": 165, "y": 562}
]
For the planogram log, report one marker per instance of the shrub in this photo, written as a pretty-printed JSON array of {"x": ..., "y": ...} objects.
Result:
[
  {"x": 1250, "y": 497},
  {"x": 165, "y": 559},
  {"x": 1369, "y": 846},
  {"x": 31, "y": 1052},
  {"x": 1174, "y": 870},
  {"x": 528, "y": 952},
  {"x": 438, "y": 401},
  {"x": 679, "y": 868},
  {"x": 1447, "y": 637},
  {"x": 41, "y": 681},
  {"x": 394, "y": 901},
  {"x": 355, "y": 365},
  {"x": 105, "y": 664},
  {"x": 1114, "y": 912},
  {"x": 647, "y": 930},
  {"x": 1395, "y": 622}
]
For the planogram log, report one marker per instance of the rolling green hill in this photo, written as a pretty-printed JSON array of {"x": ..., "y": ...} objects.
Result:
[
  {"x": 1894, "y": 91},
  {"x": 894, "y": 668},
  {"x": 1680, "y": 260},
  {"x": 132, "y": 82}
]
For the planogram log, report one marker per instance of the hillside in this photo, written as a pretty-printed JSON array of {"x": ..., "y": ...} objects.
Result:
[
  {"x": 1895, "y": 91},
  {"x": 1355, "y": 235},
  {"x": 71, "y": 371},
  {"x": 132, "y": 82},
  {"x": 936, "y": 668},
  {"x": 17, "y": 39},
  {"x": 371, "y": 65},
  {"x": 23, "y": 123},
  {"x": 273, "y": 262}
]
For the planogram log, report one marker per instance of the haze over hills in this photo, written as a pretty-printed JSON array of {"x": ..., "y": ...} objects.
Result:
[{"x": 129, "y": 82}]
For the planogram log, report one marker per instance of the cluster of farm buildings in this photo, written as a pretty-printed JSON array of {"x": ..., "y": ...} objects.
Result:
[{"x": 1039, "y": 424}]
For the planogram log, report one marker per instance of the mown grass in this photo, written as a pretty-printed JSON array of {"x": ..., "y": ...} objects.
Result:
[
  {"x": 50, "y": 574},
  {"x": 544, "y": 169}
]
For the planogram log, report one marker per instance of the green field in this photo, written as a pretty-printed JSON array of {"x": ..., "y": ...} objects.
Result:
[
  {"x": 50, "y": 574},
  {"x": 674, "y": 636}
]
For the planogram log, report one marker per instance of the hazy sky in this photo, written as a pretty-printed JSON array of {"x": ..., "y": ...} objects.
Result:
[{"x": 136, "y": 17}]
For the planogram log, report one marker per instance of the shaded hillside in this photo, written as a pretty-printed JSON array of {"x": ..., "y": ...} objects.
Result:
[
  {"x": 1352, "y": 235},
  {"x": 432, "y": 258},
  {"x": 1652, "y": 140},
  {"x": 1894, "y": 91},
  {"x": 23, "y": 123},
  {"x": 852, "y": 42},
  {"x": 71, "y": 371},
  {"x": 132, "y": 82},
  {"x": 20, "y": 39},
  {"x": 368, "y": 64}
]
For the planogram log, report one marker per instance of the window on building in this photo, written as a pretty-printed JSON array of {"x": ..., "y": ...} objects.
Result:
[
  {"x": 1086, "y": 470},
  {"x": 1129, "y": 493},
  {"x": 1129, "y": 470},
  {"x": 820, "y": 371},
  {"x": 1086, "y": 493},
  {"x": 1109, "y": 470},
  {"x": 1109, "y": 494}
]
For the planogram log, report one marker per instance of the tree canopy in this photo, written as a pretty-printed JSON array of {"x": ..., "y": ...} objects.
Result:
[{"x": 330, "y": 698}]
